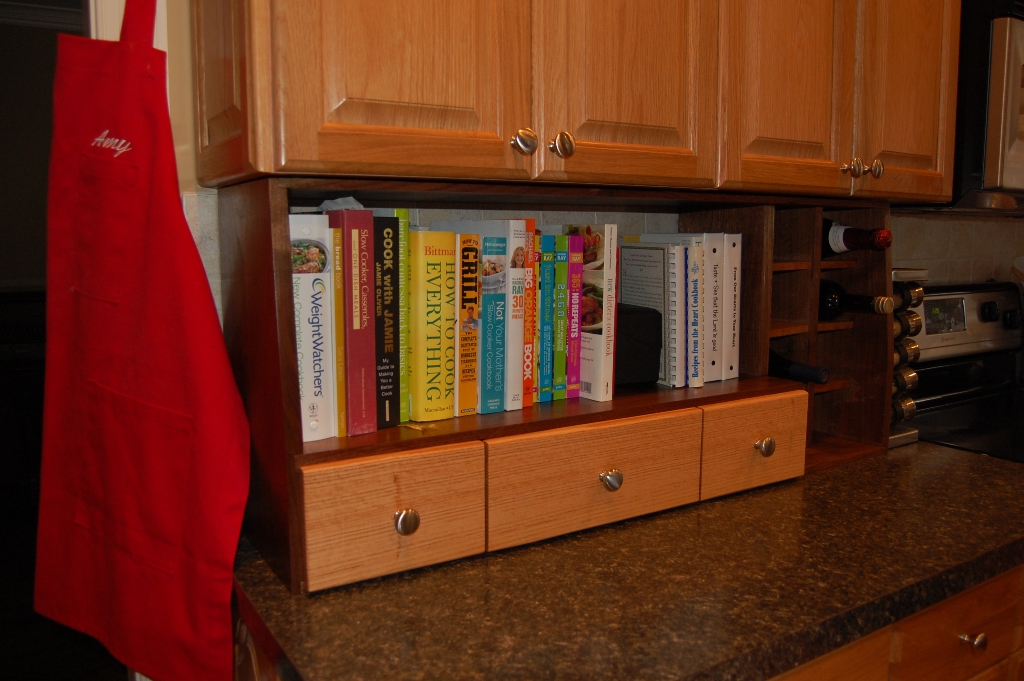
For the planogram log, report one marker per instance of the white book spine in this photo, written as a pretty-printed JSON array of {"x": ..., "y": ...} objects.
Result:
[
  {"x": 312, "y": 298},
  {"x": 597, "y": 350},
  {"x": 733, "y": 268},
  {"x": 695, "y": 313},
  {"x": 714, "y": 322},
  {"x": 516, "y": 305}
]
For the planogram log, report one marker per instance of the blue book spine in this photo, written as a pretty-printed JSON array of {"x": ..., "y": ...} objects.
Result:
[
  {"x": 493, "y": 315},
  {"x": 547, "y": 317}
]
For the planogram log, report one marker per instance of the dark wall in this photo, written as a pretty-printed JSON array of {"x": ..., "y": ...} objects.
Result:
[{"x": 27, "y": 63}]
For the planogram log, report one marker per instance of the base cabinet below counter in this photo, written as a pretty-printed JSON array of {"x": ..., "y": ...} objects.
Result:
[{"x": 974, "y": 636}]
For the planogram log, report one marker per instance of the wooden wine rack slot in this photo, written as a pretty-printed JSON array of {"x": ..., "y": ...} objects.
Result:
[
  {"x": 782, "y": 327},
  {"x": 834, "y": 384},
  {"x": 825, "y": 327},
  {"x": 790, "y": 265},
  {"x": 838, "y": 264}
]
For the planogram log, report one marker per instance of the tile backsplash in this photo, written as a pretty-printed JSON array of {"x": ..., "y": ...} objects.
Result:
[
  {"x": 955, "y": 249},
  {"x": 629, "y": 223}
]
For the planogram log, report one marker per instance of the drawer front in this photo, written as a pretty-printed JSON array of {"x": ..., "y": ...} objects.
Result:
[
  {"x": 997, "y": 673},
  {"x": 930, "y": 647},
  {"x": 542, "y": 485},
  {"x": 350, "y": 511},
  {"x": 730, "y": 462},
  {"x": 866, "y": 659}
]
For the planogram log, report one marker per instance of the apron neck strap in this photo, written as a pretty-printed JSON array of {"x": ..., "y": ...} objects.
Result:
[{"x": 138, "y": 22}]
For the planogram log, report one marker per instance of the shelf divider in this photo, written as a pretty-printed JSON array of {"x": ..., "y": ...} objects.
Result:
[
  {"x": 785, "y": 327},
  {"x": 790, "y": 265}
]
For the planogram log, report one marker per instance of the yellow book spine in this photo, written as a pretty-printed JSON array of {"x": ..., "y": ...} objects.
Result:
[
  {"x": 432, "y": 284},
  {"x": 338, "y": 280}
]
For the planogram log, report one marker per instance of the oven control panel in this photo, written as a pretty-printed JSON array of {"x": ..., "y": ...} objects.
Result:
[{"x": 969, "y": 319}]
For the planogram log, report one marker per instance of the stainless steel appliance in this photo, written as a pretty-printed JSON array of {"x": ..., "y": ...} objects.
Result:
[
  {"x": 969, "y": 394},
  {"x": 989, "y": 165}
]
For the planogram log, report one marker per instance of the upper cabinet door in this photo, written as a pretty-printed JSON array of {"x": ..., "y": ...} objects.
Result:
[
  {"x": 633, "y": 83},
  {"x": 786, "y": 95},
  {"x": 906, "y": 98},
  {"x": 433, "y": 88}
]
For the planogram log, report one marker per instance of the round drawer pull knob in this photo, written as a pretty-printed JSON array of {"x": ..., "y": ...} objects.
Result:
[
  {"x": 766, "y": 446},
  {"x": 979, "y": 642},
  {"x": 612, "y": 479},
  {"x": 407, "y": 521},
  {"x": 525, "y": 141},
  {"x": 564, "y": 145}
]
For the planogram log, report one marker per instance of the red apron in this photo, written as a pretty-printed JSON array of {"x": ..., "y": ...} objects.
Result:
[{"x": 145, "y": 442}]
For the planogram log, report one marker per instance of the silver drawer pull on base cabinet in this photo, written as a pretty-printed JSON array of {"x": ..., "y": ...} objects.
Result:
[
  {"x": 612, "y": 479},
  {"x": 979, "y": 642},
  {"x": 407, "y": 521},
  {"x": 766, "y": 446}
]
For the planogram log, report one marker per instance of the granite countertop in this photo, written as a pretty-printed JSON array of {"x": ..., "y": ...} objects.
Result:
[{"x": 743, "y": 587}]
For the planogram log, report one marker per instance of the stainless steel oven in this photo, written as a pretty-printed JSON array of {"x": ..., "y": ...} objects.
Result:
[{"x": 969, "y": 394}]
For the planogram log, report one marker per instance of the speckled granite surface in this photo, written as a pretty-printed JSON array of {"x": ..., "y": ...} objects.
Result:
[{"x": 743, "y": 587}]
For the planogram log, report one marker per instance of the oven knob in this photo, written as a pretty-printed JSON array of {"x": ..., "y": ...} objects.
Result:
[
  {"x": 1011, "y": 319},
  {"x": 990, "y": 311}
]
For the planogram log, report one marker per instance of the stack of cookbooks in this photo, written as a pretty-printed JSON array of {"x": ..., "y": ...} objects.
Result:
[{"x": 394, "y": 323}]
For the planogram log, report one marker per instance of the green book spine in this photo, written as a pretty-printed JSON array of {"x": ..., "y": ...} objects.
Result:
[{"x": 561, "y": 311}]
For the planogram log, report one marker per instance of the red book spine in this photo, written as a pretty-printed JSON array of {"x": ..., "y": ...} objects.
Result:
[{"x": 360, "y": 320}]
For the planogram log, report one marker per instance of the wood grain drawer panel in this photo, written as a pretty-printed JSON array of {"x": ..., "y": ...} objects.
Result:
[
  {"x": 729, "y": 462},
  {"x": 542, "y": 485},
  {"x": 350, "y": 507},
  {"x": 928, "y": 642},
  {"x": 996, "y": 673},
  {"x": 866, "y": 659}
]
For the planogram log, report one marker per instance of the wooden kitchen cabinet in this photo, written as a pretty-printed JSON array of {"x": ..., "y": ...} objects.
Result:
[
  {"x": 866, "y": 659},
  {"x": 906, "y": 101},
  {"x": 633, "y": 83},
  {"x": 365, "y": 87}
]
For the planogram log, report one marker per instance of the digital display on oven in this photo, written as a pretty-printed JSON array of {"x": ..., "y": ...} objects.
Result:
[{"x": 944, "y": 316}]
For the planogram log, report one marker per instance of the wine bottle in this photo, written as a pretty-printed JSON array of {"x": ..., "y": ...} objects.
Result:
[
  {"x": 837, "y": 238},
  {"x": 906, "y": 323},
  {"x": 833, "y": 300},
  {"x": 905, "y": 379},
  {"x": 780, "y": 367},
  {"x": 906, "y": 351},
  {"x": 906, "y": 295}
]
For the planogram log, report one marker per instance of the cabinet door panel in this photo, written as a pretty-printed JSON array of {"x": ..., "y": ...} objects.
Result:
[
  {"x": 634, "y": 83},
  {"x": 907, "y": 97},
  {"x": 785, "y": 103},
  {"x": 431, "y": 89}
]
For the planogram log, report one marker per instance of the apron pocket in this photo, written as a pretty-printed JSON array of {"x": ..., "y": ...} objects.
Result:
[
  {"x": 132, "y": 483},
  {"x": 109, "y": 214}
]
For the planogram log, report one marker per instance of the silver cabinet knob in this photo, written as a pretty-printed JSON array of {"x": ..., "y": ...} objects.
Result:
[
  {"x": 877, "y": 168},
  {"x": 766, "y": 446},
  {"x": 855, "y": 167},
  {"x": 407, "y": 521},
  {"x": 612, "y": 479},
  {"x": 979, "y": 642},
  {"x": 564, "y": 145},
  {"x": 525, "y": 141}
]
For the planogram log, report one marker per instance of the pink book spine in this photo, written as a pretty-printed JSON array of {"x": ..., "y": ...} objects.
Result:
[
  {"x": 360, "y": 322},
  {"x": 573, "y": 338}
]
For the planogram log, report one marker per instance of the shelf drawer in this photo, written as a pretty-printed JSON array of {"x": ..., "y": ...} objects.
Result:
[
  {"x": 542, "y": 485},
  {"x": 730, "y": 462},
  {"x": 350, "y": 511},
  {"x": 930, "y": 646},
  {"x": 866, "y": 659}
]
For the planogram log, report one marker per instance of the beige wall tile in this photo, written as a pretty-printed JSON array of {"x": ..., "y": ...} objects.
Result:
[
  {"x": 510, "y": 214},
  {"x": 981, "y": 270},
  {"x": 428, "y": 216},
  {"x": 629, "y": 223},
  {"x": 938, "y": 270},
  {"x": 961, "y": 237},
  {"x": 959, "y": 271},
  {"x": 560, "y": 217},
  {"x": 921, "y": 239},
  {"x": 661, "y": 223}
]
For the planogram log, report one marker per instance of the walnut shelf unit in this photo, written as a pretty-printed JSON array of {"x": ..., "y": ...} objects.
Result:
[{"x": 259, "y": 331}]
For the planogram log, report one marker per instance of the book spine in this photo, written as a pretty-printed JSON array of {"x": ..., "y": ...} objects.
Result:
[
  {"x": 572, "y": 350},
  {"x": 515, "y": 337},
  {"x": 714, "y": 327},
  {"x": 537, "y": 312},
  {"x": 403, "y": 314},
  {"x": 530, "y": 316},
  {"x": 432, "y": 325},
  {"x": 547, "y": 317},
  {"x": 493, "y": 299},
  {"x": 694, "y": 314},
  {"x": 597, "y": 352},
  {"x": 385, "y": 286},
  {"x": 360, "y": 326},
  {"x": 469, "y": 323},
  {"x": 733, "y": 266},
  {"x": 338, "y": 280},
  {"x": 561, "y": 313},
  {"x": 312, "y": 293},
  {"x": 676, "y": 316}
]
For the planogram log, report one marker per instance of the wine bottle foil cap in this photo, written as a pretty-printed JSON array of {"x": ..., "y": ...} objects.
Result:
[
  {"x": 881, "y": 239},
  {"x": 883, "y": 305}
]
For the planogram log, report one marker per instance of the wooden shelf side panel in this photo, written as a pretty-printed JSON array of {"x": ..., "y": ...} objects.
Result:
[
  {"x": 757, "y": 225},
  {"x": 260, "y": 338}
]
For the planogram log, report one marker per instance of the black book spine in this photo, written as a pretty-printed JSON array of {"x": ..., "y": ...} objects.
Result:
[{"x": 385, "y": 284}]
